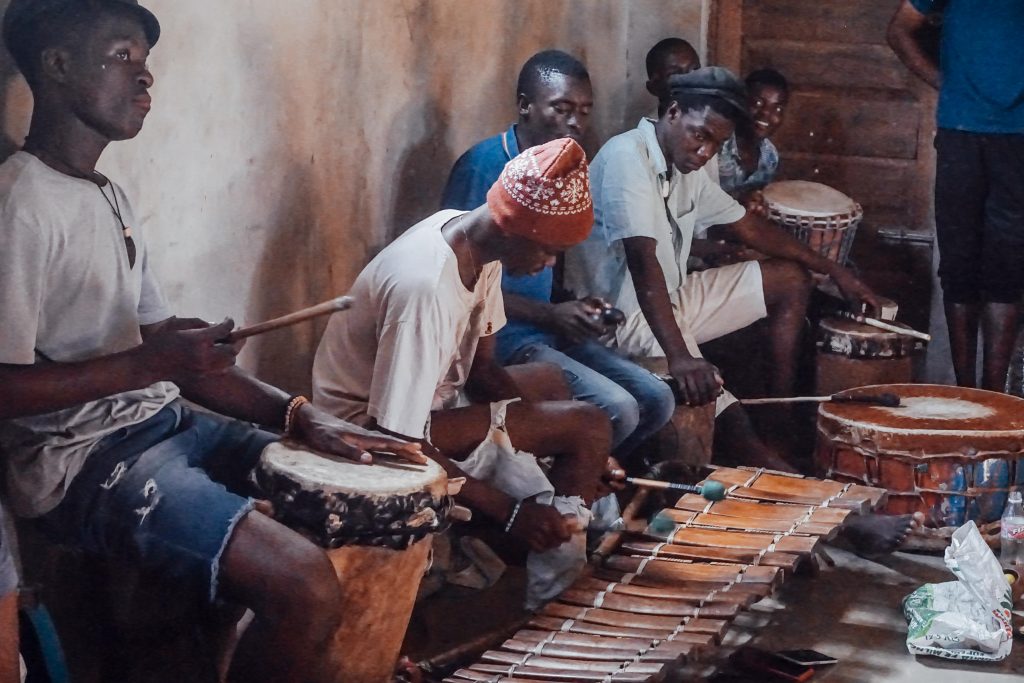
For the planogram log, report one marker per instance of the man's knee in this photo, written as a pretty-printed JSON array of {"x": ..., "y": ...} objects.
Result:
[
  {"x": 591, "y": 429},
  {"x": 656, "y": 402},
  {"x": 540, "y": 381},
  {"x": 624, "y": 412},
  {"x": 785, "y": 281}
]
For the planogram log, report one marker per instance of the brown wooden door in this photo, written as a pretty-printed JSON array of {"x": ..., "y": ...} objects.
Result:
[{"x": 857, "y": 120}]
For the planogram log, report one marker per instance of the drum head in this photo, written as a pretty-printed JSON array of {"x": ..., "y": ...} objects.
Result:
[
  {"x": 340, "y": 502},
  {"x": 804, "y": 198},
  {"x": 934, "y": 410},
  {"x": 850, "y": 338}
]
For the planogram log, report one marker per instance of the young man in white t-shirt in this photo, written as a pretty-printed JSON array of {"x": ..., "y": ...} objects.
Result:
[
  {"x": 414, "y": 357},
  {"x": 96, "y": 444}
]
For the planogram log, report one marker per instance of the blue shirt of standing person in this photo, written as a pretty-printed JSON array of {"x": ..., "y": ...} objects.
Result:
[{"x": 554, "y": 100}]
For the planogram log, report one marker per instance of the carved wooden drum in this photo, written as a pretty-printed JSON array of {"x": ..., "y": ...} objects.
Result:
[
  {"x": 821, "y": 217},
  {"x": 950, "y": 452},
  {"x": 851, "y": 354},
  {"x": 376, "y": 522}
]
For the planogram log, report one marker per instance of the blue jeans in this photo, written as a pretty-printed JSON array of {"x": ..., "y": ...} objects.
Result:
[
  {"x": 165, "y": 494},
  {"x": 636, "y": 401}
]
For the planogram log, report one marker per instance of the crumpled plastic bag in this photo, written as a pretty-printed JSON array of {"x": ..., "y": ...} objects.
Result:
[{"x": 967, "y": 619}]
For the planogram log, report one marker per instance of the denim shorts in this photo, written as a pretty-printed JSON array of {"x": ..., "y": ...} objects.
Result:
[{"x": 164, "y": 494}]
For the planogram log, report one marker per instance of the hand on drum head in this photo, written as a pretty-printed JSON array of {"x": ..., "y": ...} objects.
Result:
[
  {"x": 698, "y": 381},
  {"x": 542, "y": 527},
  {"x": 321, "y": 432},
  {"x": 855, "y": 291}
]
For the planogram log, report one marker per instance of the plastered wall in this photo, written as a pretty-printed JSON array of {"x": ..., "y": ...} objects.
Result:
[{"x": 292, "y": 139}]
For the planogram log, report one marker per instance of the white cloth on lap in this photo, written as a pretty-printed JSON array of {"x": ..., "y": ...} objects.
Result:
[{"x": 517, "y": 473}]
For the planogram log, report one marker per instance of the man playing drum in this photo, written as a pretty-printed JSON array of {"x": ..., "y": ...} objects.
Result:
[
  {"x": 555, "y": 99},
  {"x": 98, "y": 444},
  {"x": 418, "y": 346}
]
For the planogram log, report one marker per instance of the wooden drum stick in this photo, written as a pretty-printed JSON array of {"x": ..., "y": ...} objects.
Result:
[
  {"x": 888, "y": 327},
  {"x": 711, "y": 490},
  {"x": 327, "y": 307},
  {"x": 884, "y": 399}
]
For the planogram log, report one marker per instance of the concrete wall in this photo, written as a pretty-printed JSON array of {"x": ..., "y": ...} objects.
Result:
[{"x": 289, "y": 141}]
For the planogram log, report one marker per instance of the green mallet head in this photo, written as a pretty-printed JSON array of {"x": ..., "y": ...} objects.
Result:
[{"x": 712, "y": 490}]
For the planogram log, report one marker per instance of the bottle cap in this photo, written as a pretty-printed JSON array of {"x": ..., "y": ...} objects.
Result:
[{"x": 1015, "y": 497}]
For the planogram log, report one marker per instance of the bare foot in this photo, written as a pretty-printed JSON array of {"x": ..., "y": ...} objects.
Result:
[{"x": 879, "y": 534}]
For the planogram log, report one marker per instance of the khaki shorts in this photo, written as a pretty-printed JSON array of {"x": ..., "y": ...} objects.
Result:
[{"x": 710, "y": 304}]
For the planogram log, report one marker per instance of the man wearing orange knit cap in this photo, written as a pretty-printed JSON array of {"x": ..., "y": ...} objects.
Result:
[{"x": 414, "y": 357}]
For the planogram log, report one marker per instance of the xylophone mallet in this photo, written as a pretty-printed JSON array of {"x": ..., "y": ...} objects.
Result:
[{"x": 711, "y": 490}]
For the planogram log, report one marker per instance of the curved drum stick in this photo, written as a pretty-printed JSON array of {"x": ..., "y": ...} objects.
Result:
[{"x": 339, "y": 304}]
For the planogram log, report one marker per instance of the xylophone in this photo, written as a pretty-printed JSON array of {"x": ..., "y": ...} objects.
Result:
[{"x": 667, "y": 593}]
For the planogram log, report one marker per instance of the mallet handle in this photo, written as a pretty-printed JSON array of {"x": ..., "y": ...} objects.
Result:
[
  {"x": 656, "y": 484},
  {"x": 339, "y": 304}
]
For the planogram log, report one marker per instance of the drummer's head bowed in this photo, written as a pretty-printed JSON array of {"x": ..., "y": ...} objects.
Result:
[{"x": 543, "y": 195}]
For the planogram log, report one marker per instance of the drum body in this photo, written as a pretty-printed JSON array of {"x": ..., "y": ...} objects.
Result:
[
  {"x": 851, "y": 354},
  {"x": 950, "y": 452},
  {"x": 821, "y": 217},
  {"x": 377, "y": 524}
]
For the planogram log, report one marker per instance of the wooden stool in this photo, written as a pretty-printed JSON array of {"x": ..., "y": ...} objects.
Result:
[{"x": 688, "y": 436}]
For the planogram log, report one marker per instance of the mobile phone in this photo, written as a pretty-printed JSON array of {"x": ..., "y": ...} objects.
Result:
[
  {"x": 771, "y": 667},
  {"x": 806, "y": 657}
]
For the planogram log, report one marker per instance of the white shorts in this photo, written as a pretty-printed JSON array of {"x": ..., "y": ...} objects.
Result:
[{"x": 710, "y": 304}]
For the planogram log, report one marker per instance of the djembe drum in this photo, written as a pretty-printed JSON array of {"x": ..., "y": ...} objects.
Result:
[
  {"x": 952, "y": 453},
  {"x": 821, "y": 217},
  {"x": 851, "y": 354},
  {"x": 376, "y": 523}
]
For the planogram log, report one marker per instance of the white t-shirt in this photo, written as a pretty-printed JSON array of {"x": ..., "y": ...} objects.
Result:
[
  {"x": 67, "y": 294},
  {"x": 634, "y": 196},
  {"x": 406, "y": 345}
]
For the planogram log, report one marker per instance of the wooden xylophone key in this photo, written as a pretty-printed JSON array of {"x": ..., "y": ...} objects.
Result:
[
  {"x": 679, "y": 550},
  {"x": 607, "y": 622},
  {"x": 628, "y": 675},
  {"x": 707, "y": 595},
  {"x": 610, "y": 650},
  {"x": 751, "y": 522},
  {"x": 629, "y": 580},
  {"x": 763, "y": 510},
  {"x": 718, "y": 538},
  {"x": 700, "y": 637},
  {"x": 639, "y": 605},
  {"x": 683, "y": 571},
  {"x": 785, "y": 488},
  {"x": 683, "y": 646}
]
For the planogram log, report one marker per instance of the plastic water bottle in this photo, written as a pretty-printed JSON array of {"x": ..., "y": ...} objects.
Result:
[{"x": 1011, "y": 537}]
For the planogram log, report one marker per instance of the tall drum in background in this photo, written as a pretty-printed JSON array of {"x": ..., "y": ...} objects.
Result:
[
  {"x": 376, "y": 523},
  {"x": 821, "y": 217},
  {"x": 950, "y": 452}
]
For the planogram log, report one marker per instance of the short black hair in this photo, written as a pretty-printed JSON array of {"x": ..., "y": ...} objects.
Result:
[
  {"x": 766, "y": 77},
  {"x": 539, "y": 68},
  {"x": 698, "y": 102},
  {"x": 661, "y": 49}
]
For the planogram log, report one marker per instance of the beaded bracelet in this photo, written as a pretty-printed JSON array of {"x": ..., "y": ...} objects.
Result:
[
  {"x": 512, "y": 517},
  {"x": 289, "y": 413}
]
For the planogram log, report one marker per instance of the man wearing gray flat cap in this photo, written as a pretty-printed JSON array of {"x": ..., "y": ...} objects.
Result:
[{"x": 650, "y": 193}]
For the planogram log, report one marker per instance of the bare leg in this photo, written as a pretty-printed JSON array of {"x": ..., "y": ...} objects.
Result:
[
  {"x": 577, "y": 434},
  {"x": 10, "y": 668},
  {"x": 736, "y": 443},
  {"x": 291, "y": 586},
  {"x": 787, "y": 288},
  {"x": 962, "y": 321},
  {"x": 999, "y": 325}
]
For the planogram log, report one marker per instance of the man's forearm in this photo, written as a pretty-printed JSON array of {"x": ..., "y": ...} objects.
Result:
[
  {"x": 527, "y": 310},
  {"x": 769, "y": 239},
  {"x": 238, "y": 394},
  {"x": 902, "y": 36},
  {"x": 46, "y": 387},
  {"x": 652, "y": 295}
]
